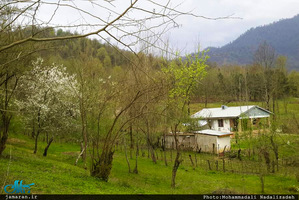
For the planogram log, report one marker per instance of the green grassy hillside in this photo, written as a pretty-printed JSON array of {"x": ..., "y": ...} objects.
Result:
[{"x": 56, "y": 173}]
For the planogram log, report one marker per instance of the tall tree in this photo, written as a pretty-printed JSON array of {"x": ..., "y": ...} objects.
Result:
[
  {"x": 13, "y": 63},
  {"x": 183, "y": 76},
  {"x": 46, "y": 97},
  {"x": 265, "y": 57}
]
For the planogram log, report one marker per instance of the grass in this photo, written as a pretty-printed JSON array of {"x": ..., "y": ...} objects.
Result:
[{"x": 56, "y": 174}]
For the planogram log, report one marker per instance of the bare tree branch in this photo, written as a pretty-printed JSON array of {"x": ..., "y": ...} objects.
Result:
[{"x": 67, "y": 37}]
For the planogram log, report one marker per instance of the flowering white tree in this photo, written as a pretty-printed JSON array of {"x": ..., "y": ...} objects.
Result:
[{"x": 46, "y": 95}]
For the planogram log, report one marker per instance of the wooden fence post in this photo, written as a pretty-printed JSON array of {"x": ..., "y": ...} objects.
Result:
[
  {"x": 209, "y": 165},
  {"x": 192, "y": 162}
]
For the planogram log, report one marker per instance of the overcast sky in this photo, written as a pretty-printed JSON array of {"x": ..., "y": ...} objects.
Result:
[
  {"x": 194, "y": 31},
  {"x": 220, "y": 32}
]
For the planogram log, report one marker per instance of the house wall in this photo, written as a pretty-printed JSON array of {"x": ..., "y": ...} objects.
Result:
[
  {"x": 222, "y": 142},
  {"x": 205, "y": 142},
  {"x": 186, "y": 142},
  {"x": 226, "y": 125}
]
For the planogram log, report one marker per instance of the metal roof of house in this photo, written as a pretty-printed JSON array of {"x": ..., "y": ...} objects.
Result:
[
  {"x": 226, "y": 112},
  {"x": 213, "y": 132}
]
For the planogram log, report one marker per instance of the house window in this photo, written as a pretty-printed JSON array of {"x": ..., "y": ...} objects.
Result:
[{"x": 220, "y": 122}]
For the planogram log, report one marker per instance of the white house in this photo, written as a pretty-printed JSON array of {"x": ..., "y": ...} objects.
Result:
[
  {"x": 227, "y": 119},
  {"x": 204, "y": 141},
  {"x": 212, "y": 141},
  {"x": 217, "y": 124}
]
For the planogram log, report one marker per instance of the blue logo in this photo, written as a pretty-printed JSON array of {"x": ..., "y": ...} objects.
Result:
[{"x": 18, "y": 188}]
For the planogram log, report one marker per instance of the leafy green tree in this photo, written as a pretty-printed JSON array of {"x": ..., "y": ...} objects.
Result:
[
  {"x": 107, "y": 61},
  {"x": 102, "y": 54},
  {"x": 293, "y": 81},
  {"x": 182, "y": 77}
]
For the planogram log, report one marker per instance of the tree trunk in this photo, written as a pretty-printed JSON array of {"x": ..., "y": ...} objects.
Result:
[
  {"x": 36, "y": 140},
  {"x": 6, "y": 118},
  {"x": 128, "y": 162},
  {"x": 151, "y": 149},
  {"x": 102, "y": 168},
  {"x": 275, "y": 149},
  {"x": 135, "y": 171},
  {"x": 152, "y": 153},
  {"x": 47, "y": 147},
  {"x": 267, "y": 159},
  {"x": 6, "y": 121},
  {"x": 164, "y": 148},
  {"x": 131, "y": 142},
  {"x": 3, "y": 142},
  {"x": 84, "y": 126},
  {"x": 33, "y": 129},
  {"x": 175, "y": 167},
  {"x": 38, "y": 130},
  {"x": 178, "y": 158},
  {"x": 82, "y": 150},
  {"x": 84, "y": 135}
]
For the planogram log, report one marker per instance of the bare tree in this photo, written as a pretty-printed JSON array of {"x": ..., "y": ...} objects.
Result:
[
  {"x": 265, "y": 57},
  {"x": 120, "y": 21}
]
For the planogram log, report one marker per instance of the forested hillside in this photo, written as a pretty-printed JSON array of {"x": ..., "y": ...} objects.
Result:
[
  {"x": 83, "y": 116},
  {"x": 283, "y": 36}
]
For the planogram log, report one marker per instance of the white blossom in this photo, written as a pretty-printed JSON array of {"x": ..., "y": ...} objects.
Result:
[{"x": 49, "y": 91}]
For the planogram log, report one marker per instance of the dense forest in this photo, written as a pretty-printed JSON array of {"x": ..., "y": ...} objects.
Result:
[
  {"x": 281, "y": 35},
  {"x": 57, "y": 87}
]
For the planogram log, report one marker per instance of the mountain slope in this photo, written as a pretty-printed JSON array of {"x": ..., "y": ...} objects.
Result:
[{"x": 282, "y": 35}]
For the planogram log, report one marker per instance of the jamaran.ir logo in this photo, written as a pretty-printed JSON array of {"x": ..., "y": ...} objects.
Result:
[{"x": 17, "y": 188}]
